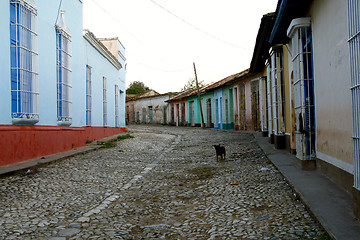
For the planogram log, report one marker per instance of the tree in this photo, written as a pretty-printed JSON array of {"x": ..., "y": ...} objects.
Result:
[
  {"x": 137, "y": 87},
  {"x": 191, "y": 84}
]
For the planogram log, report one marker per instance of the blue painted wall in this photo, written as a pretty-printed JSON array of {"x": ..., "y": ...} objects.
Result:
[
  {"x": 101, "y": 67},
  {"x": 5, "y": 89},
  {"x": 218, "y": 108},
  {"x": 46, "y": 19},
  {"x": 82, "y": 54}
]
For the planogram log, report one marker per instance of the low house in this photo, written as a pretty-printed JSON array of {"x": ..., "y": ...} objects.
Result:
[
  {"x": 149, "y": 107},
  {"x": 178, "y": 109},
  {"x": 223, "y": 101},
  {"x": 60, "y": 88}
]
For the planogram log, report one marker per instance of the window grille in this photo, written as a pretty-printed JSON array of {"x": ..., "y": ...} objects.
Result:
[
  {"x": 24, "y": 62},
  {"x": 263, "y": 104},
  {"x": 269, "y": 98},
  {"x": 104, "y": 103},
  {"x": 354, "y": 46},
  {"x": 88, "y": 95},
  {"x": 64, "y": 85},
  {"x": 304, "y": 103},
  {"x": 116, "y": 105},
  {"x": 217, "y": 111},
  {"x": 278, "y": 91}
]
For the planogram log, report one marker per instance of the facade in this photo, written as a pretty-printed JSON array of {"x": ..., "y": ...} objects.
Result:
[
  {"x": 149, "y": 107},
  {"x": 178, "y": 110},
  {"x": 246, "y": 102},
  {"x": 319, "y": 48},
  {"x": 45, "y": 80}
]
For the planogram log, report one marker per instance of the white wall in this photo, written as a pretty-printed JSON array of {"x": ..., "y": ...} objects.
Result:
[{"x": 332, "y": 82}]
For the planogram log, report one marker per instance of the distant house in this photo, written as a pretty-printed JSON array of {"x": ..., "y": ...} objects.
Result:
[
  {"x": 60, "y": 88},
  {"x": 178, "y": 109},
  {"x": 149, "y": 107}
]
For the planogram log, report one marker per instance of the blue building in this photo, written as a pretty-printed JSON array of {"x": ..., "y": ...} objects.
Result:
[{"x": 61, "y": 86}]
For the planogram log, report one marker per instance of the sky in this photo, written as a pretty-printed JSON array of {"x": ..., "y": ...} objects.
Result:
[{"x": 163, "y": 38}]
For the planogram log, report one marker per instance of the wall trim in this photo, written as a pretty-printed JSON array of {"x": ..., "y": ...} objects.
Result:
[
  {"x": 336, "y": 162},
  {"x": 298, "y": 23},
  {"x": 90, "y": 37}
]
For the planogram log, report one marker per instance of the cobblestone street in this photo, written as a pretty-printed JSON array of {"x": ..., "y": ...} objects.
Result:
[{"x": 164, "y": 183}]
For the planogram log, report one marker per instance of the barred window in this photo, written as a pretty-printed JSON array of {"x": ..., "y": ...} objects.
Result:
[
  {"x": 104, "y": 103},
  {"x": 278, "y": 92},
  {"x": 24, "y": 62},
  {"x": 116, "y": 105},
  {"x": 354, "y": 48},
  {"x": 63, "y": 64},
  {"x": 88, "y": 95},
  {"x": 304, "y": 103}
]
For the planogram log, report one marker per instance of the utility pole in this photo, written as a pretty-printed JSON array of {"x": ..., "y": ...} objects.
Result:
[{"x": 198, "y": 93}]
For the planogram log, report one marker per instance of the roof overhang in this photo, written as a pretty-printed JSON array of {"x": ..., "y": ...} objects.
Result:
[
  {"x": 262, "y": 45},
  {"x": 90, "y": 37},
  {"x": 286, "y": 11}
]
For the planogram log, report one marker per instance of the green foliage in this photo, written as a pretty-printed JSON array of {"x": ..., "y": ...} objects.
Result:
[
  {"x": 137, "y": 87},
  {"x": 191, "y": 84},
  {"x": 122, "y": 137},
  {"x": 107, "y": 144}
]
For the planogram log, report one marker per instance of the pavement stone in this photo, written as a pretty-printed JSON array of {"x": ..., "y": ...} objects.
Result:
[{"x": 164, "y": 183}]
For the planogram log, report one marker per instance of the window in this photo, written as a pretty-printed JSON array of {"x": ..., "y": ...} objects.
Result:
[
  {"x": 304, "y": 104},
  {"x": 278, "y": 92},
  {"x": 23, "y": 56},
  {"x": 88, "y": 95},
  {"x": 104, "y": 103},
  {"x": 354, "y": 46},
  {"x": 117, "y": 105},
  {"x": 63, "y": 75},
  {"x": 269, "y": 98}
]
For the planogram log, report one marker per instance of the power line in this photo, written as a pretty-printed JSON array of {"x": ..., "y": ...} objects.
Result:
[
  {"x": 57, "y": 16},
  {"x": 197, "y": 28},
  {"x": 116, "y": 20},
  {"x": 161, "y": 70}
]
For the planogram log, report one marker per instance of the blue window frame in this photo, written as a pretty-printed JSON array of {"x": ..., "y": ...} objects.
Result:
[
  {"x": 104, "y": 102},
  {"x": 23, "y": 57},
  {"x": 88, "y": 95},
  {"x": 64, "y": 87},
  {"x": 116, "y": 105}
]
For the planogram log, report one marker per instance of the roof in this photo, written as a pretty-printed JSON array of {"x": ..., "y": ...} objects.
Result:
[
  {"x": 147, "y": 94},
  {"x": 223, "y": 82},
  {"x": 90, "y": 37},
  {"x": 286, "y": 11},
  {"x": 226, "y": 81},
  {"x": 262, "y": 45}
]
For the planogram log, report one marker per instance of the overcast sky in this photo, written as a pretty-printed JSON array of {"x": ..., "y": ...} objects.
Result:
[{"x": 164, "y": 37}]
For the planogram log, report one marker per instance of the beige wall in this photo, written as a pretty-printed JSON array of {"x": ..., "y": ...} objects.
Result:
[
  {"x": 158, "y": 103},
  {"x": 332, "y": 82}
]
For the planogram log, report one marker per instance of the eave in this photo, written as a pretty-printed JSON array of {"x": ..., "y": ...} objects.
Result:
[
  {"x": 262, "y": 45},
  {"x": 286, "y": 11},
  {"x": 90, "y": 37}
]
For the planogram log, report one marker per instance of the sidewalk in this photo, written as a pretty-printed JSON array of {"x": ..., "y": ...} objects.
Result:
[
  {"x": 332, "y": 206},
  {"x": 55, "y": 157}
]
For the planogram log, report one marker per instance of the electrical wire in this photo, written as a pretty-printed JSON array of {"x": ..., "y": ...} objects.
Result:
[
  {"x": 147, "y": 46},
  {"x": 197, "y": 28},
  {"x": 57, "y": 17},
  {"x": 161, "y": 70}
]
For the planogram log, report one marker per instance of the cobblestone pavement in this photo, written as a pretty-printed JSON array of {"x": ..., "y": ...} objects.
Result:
[{"x": 164, "y": 183}]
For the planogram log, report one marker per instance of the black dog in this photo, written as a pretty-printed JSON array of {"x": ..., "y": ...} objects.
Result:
[{"x": 220, "y": 151}]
